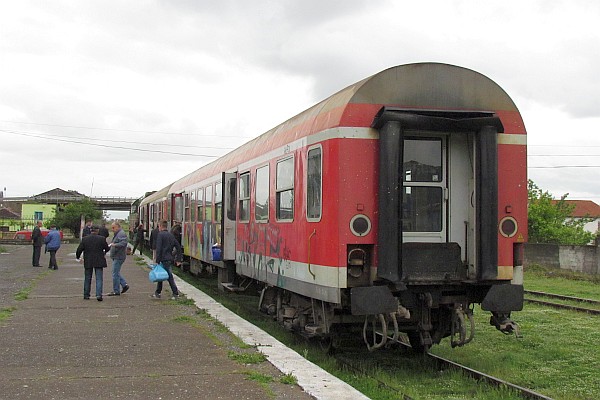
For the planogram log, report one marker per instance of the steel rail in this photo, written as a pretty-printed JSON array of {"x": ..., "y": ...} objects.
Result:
[
  {"x": 561, "y": 297},
  {"x": 480, "y": 376},
  {"x": 564, "y": 306}
]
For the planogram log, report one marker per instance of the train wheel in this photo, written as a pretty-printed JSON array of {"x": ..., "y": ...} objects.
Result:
[{"x": 414, "y": 338}]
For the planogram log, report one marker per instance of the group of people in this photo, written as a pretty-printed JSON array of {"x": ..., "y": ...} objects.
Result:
[{"x": 94, "y": 247}]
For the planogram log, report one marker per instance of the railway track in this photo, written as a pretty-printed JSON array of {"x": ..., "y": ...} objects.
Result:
[
  {"x": 593, "y": 311},
  {"x": 445, "y": 364}
]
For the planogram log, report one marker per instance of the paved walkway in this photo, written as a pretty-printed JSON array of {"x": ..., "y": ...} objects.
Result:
[{"x": 55, "y": 345}]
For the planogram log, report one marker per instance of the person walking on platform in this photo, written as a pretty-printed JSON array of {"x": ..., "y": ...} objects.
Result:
[
  {"x": 118, "y": 253},
  {"x": 165, "y": 243},
  {"x": 87, "y": 229},
  {"x": 52, "y": 242},
  {"x": 103, "y": 231},
  {"x": 139, "y": 239},
  {"x": 94, "y": 249},
  {"x": 153, "y": 236},
  {"x": 37, "y": 240}
]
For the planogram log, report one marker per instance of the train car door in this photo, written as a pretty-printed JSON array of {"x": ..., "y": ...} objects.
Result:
[{"x": 229, "y": 216}]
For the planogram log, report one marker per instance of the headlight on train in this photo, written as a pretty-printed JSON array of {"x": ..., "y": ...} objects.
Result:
[
  {"x": 360, "y": 225},
  {"x": 508, "y": 227}
]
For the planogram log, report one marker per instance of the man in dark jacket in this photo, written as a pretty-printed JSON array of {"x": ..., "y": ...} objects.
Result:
[
  {"x": 153, "y": 236},
  {"x": 37, "y": 241},
  {"x": 94, "y": 248},
  {"x": 165, "y": 243},
  {"x": 103, "y": 231},
  {"x": 139, "y": 239}
]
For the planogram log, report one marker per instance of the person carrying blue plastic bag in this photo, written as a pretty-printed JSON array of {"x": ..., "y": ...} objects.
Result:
[
  {"x": 165, "y": 243},
  {"x": 158, "y": 273}
]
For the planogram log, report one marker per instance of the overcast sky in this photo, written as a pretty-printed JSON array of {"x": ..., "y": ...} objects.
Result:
[{"x": 116, "y": 98}]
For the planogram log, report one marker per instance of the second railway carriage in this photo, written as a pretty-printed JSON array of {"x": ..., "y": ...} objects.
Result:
[{"x": 399, "y": 202}]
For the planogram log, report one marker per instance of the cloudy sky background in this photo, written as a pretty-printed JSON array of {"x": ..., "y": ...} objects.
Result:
[{"x": 114, "y": 98}]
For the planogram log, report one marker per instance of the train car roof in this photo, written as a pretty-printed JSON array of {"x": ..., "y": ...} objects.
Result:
[
  {"x": 411, "y": 86},
  {"x": 158, "y": 195}
]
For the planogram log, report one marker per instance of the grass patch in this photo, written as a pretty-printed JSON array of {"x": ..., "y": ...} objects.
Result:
[
  {"x": 247, "y": 358},
  {"x": 23, "y": 294},
  {"x": 3, "y": 249},
  {"x": 288, "y": 379},
  {"x": 263, "y": 380},
  {"x": 6, "y": 313},
  {"x": 567, "y": 283},
  {"x": 184, "y": 319}
]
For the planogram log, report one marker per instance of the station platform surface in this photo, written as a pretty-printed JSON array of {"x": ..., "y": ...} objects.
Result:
[{"x": 56, "y": 345}]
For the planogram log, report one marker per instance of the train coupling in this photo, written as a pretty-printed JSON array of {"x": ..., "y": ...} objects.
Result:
[{"x": 504, "y": 324}]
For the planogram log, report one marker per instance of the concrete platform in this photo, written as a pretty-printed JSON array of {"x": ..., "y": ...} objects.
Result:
[{"x": 56, "y": 345}]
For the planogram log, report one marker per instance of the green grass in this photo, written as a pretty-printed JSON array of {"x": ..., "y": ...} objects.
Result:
[
  {"x": 567, "y": 283},
  {"x": 288, "y": 379},
  {"x": 23, "y": 294},
  {"x": 6, "y": 313},
  {"x": 556, "y": 356},
  {"x": 3, "y": 249},
  {"x": 247, "y": 358}
]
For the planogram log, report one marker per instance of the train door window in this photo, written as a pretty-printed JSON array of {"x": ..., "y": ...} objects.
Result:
[
  {"x": 261, "y": 195},
  {"x": 218, "y": 203},
  {"x": 284, "y": 185},
  {"x": 168, "y": 211},
  {"x": 244, "y": 199},
  {"x": 178, "y": 207},
  {"x": 231, "y": 184},
  {"x": 200, "y": 199},
  {"x": 314, "y": 168},
  {"x": 424, "y": 183},
  {"x": 193, "y": 205},
  {"x": 186, "y": 205},
  {"x": 208, "y": 202}
]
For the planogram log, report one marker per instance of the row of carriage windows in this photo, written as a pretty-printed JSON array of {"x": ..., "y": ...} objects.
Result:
[
  {"x": 284, "y": 190},
  {"x": 199, "y": 203}
]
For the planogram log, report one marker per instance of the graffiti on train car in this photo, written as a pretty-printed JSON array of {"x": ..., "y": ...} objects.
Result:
[{"x": 265, "y": 249}]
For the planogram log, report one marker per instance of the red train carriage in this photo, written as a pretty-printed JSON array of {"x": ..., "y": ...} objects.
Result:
[{"x": 400, "y": 200}]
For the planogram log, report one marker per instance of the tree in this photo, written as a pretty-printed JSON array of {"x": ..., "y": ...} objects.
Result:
[
  {"x": 70, "y": 216},
  {"x": 551, "y": 221}
]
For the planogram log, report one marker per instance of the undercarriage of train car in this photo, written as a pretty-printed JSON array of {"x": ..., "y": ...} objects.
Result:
[{"x": 424, "y": 314}]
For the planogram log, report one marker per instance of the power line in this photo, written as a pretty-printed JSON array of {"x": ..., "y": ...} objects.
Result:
[
  {"x": 125, "y": 130},
  {"x": 50, "y": 136},
  {"x": 110, "y": 146},
  {"x": 567, "y": 166}
]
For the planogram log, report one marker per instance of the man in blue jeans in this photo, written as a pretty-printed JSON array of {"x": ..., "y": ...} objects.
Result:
[
  {"x": 118, "y": 253},
  {"x": 165, "y": 243}
]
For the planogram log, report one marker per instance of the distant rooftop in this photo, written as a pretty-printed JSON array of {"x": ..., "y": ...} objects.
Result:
[{"x": 583, "y": 208}]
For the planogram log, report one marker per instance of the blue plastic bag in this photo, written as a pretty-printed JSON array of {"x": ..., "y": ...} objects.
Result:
[{"x": 158, "y": 274}]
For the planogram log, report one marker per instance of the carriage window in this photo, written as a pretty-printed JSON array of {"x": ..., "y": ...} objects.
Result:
[
  {"x": 200, "y": 200},
  {"x": 422, "y": 160},
  {"x": 193, "y": 205},
  {"x": 261, "y": 197},
  {"x": 218, "y": 202},
  {"x": 284, "y": 202},
  {"x": 208, "y": 198},
  {"x": 187, "y": 206},
  {"x": 422, "y": 209},
  {"x": 179, "y": 208},
  {"x": 244, "y": 197},
  {"x": 313, "y": 190}
]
